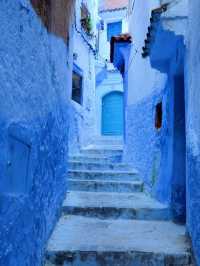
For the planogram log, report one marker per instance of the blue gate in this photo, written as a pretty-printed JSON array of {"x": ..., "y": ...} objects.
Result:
[{"x": 112, "y": 114}]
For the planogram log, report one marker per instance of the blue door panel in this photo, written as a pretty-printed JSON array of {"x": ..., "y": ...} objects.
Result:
[{"x": 112, "y": 114}]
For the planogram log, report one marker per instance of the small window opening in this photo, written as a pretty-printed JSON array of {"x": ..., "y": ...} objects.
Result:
[
  {"x": 77, "y": 84},
  {"x": 158, "y": 116}
]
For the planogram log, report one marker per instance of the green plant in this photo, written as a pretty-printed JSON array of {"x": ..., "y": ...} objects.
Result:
[{"x": 87, "y": 24}]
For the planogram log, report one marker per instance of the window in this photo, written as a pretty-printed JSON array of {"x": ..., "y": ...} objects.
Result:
[
  {"x": 77, "y": 85},
  {"x": 158, "y": 116},
  {"x": 113, "y": 29}
]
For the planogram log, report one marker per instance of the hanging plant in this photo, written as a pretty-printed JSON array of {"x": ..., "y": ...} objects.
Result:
[{"x": 86, "y": 23}]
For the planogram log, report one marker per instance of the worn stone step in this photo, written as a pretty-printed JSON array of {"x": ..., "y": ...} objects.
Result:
[
  {"x": 105, "y": 152},
  {"x": 77, "y": 165},
  {"x": 82, "y": 241},
  {"x": 104, "y": 146},
  {"x": 109, "y": 141},
  {"x": 103, "y": 175},
  {"x": 96, "y": 158},
  {"x": 105, "y": 205},
  {"x": 105, "y": 185}
]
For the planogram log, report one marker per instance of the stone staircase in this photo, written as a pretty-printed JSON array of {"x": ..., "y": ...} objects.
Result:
[{"x": 107, "y": 219}]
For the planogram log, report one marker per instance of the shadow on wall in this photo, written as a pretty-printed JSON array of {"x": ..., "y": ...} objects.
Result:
[{"x": 55, "y": 15}]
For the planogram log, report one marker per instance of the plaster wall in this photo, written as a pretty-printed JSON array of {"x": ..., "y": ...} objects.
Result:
[
  {"x": 193, "y": 127},
  {"x": 35, "y": 82},
  {"x": 139, "y": 21},
  {"x": 176, "y": 17},
  {"x": 82, "y": 117},
  {"x": 144, "y": 88}
]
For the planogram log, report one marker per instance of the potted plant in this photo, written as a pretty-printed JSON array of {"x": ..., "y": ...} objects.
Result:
[{"x": 86, "y": 23}]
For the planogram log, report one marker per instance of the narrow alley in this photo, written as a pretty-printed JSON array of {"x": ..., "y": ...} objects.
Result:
[{"x": 99, "y": 133}]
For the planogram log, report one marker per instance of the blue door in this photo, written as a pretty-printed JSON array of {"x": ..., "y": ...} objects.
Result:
[
  {"x": 112, "y": 114},
  {"x": 113, "y": 29}
]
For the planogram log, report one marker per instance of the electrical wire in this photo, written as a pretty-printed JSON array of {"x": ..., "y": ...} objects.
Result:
[
  {"x": 131, "y": 61},
  {"x": 173, "y": 3}
]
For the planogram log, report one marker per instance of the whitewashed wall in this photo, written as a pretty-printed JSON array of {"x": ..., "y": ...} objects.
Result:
[{"x": 83, "y": 116}]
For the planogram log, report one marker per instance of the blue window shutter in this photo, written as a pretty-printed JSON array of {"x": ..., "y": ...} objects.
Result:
[{"x": 113, "y": 29}]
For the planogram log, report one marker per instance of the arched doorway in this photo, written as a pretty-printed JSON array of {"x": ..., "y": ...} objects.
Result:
[{"x": 112, "y": 121}]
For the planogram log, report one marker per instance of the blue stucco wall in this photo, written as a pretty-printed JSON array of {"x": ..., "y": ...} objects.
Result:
[
  {"x": 34, "y": 74},
  {"x": 172, "y": 62},
  {"x": 147, "y": 148},
  {"x": 160, "y": 154},
  {"x": 193, "y": 127}
]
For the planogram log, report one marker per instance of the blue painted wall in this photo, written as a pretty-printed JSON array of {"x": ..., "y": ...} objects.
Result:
[
  {"x": 179, "y": 152},
  {"x": 193, "y": 127},
  {"x": 173, "y": 63},
  {"x": 149, "y": 149},
  {"x": 159, "y": 154},
  {"x": 34, "y": 91}
]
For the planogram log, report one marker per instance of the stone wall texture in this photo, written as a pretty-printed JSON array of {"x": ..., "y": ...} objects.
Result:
[
  {"x": 34, "y": 91},
  {"x": 193, "y": 127},
  {"x": 146, "y": 146}
]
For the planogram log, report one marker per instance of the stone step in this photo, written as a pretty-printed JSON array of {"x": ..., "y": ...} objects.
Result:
[
  {"x": 77, "y": 165},
  {"x": 103, "y": 175},
  {"x": 106, "y": 205},
  {"x": 109, "y": 141},
  {"x": 105, "y": 185},
  {"x": 82, "y": 241},
  {"x": 95, "y": 158},
  {"x": 106, "y": 146},
  {"x": 102, "y": 151}
]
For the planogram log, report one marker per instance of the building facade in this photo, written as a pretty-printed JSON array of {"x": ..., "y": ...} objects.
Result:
[
  {"x": 82, "y": 107},
  {"x": 144, "y": 89},
  {"x": 109, "y": 83}
]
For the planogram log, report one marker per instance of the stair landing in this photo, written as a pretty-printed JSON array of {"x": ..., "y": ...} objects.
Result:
[{"x": 89, "y": 241}]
